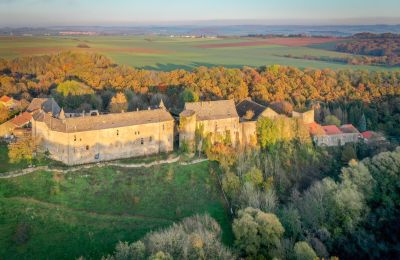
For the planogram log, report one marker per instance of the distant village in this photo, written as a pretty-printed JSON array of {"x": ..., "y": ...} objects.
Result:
[{"x": 89, "y": 137}]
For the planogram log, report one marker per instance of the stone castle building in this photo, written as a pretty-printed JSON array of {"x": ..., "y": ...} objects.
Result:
[
  {"x": 218, "y": 119},
  {"x": 90, "y": 139}
]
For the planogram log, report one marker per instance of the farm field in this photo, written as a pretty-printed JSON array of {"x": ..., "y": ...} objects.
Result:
[
  {"x": 166, "y": 53},
  {"x": 45, "y": 215}
]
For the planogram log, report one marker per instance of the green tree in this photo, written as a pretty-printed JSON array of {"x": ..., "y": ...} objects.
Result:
[
  {"x": 303, "y": 251},
  {"x": 189, "y": 95},
  {"x": 74, "y": 88},
  {"x": 231, "y": 184},
  {"x": 257, "y": 233},
  {"x": 362, "y": 124},
  {"x": 254, "y": 176},
  {"x": 332, "y": 120}
]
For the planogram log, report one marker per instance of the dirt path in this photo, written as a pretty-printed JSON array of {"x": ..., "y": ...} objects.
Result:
[
  {"x": 86, "y": 212},
  {"x": 14, "y": 174}
]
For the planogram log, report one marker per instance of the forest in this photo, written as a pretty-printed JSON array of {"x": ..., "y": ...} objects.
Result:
[
  {"x": 288, "y": 198},
  {"x": 379, "y": 48},
  {"x": 81, "y": 81}
]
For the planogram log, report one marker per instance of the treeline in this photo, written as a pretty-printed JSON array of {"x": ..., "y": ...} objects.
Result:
[
  {"x": 351, "y": 60},
  {"x": 385, "y": 48},
  {"x": 89, "y": 81}
]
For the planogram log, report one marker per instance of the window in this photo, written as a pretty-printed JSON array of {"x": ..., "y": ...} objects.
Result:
[
  {"x": 87, "y": 147},
  {"x": 163, "y": 127},
  {"x": 141, "y": 141},
  {"x": 151, "y": 138},
  {"x": 117, "y": 132},
  {"x": 75, "y": 138}
]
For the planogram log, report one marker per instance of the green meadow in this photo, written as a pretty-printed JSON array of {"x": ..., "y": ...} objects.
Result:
[
  {"x": 45, "y": 215},
  {"x": 166, "y": 53}
]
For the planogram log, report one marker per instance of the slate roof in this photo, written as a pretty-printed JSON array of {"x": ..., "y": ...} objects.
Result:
[
  {"x": 48, "y": 105},
  {"x": 211, "y": 110},
  {"x": 22, "y": 119},
  {"x": 89, "y": 123},
  {"x": 246, "y": 105}
]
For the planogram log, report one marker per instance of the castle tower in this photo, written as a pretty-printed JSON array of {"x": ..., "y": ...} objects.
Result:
[{"x": 187, "y": 128}]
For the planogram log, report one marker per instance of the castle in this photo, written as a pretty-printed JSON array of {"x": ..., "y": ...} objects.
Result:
[
  {"x": 79, "y": 139},
  {"x": 89, "y": 139}
]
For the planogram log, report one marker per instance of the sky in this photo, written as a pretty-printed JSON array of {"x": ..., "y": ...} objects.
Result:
[{"x": 158, "y": 12}]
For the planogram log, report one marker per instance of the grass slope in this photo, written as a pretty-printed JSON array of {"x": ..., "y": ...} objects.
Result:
[
  {"x": 86, "y": 213},
  {"x": 165, "y": 53}
]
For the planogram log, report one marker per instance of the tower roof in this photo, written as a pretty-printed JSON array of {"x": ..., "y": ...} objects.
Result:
[{"x": 210, "y": 110}]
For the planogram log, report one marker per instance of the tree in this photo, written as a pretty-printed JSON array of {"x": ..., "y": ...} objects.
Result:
[
  {"x": 362, "y": 124},
  {"x": 332, "y": 120},
  {"x": 231, "y": 184},
  {"x": 197, "y": 237},
  {"x": 189, "y": 95},
  {"x": 118, "y": 103},
  {"x": 257, "y": 233},
  {"x": 21, "y": 149},
  {"x": 73, "y": 88},
  {"x": 348, "y": 153},
  {"x": 254, "y": 176},
  {"x": 3, "y": 114},
  {"x": 303, "y": 251}
]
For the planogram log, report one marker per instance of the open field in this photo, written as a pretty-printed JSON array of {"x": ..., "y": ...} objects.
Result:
[
  {"x": 166, "y": 53},
  {"x": 46, "y": 215},
  {"x": 294, "y": 42}
]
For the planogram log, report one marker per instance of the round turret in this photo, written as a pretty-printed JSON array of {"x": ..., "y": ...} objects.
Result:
[{"x": 187, "y": 128}]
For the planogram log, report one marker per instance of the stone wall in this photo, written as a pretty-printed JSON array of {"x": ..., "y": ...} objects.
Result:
[
  {"x": 249, "y": 133},
  {"x": 307, "y": 117},
  {"x": 105, "y": 144},
  {"x": 336, "y": 140}
]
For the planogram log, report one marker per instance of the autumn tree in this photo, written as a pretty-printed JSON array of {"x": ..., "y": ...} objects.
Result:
[
  {"x": 118, "y": 103},
  {"x": 21, "y": 149}
]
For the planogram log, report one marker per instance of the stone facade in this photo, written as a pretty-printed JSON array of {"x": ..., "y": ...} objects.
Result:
[
  {"x": 99, "y": 138},
  {"x": 215, "y": 118},
  {"x": 334, "y": 136},
  {"x": 307, "y": 117}
]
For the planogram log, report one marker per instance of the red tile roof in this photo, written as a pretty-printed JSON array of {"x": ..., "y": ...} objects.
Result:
[
  {"x": 22, "y": 119},
  {"x": 367, "y": 134},
  {"x": 349, "y": 128},
  {"x": 331, "y": 130},
  {"x": 5, "y": 99}
]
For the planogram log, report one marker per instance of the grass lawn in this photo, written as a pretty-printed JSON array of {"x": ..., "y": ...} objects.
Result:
[
  {"x": 165, "y": 53},
  {"x": 86, "y": 213}
]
